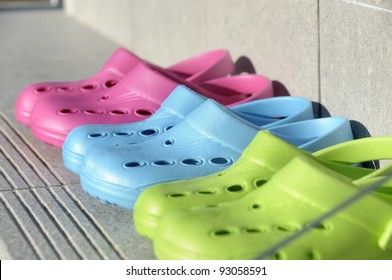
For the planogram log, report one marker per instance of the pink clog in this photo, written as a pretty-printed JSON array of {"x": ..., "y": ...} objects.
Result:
[
  {"x": 137, "y": 96},
  {"x": 199, "y": 68}
]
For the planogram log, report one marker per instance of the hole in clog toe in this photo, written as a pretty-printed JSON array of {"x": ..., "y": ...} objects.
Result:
[
  {"x": 235, "y": 188},
  {"x": 191, "y": 161},
  {"x": 287, "y": 228},
  {"x": 122, "y": 133},
  {"x": 67, "y": 111},
  {"x": 144, "y": 112},
  {"x": 149, "y": 132},
  {"x": 119, "y": 112},
  {"x": 110, "y": 83},
  {"x": 42, "y": 89},
  {"x": 133, "y": 164},
  {"x": 321, "y": 226},
  {"x": 92, "y": 112},
  {"x": 256, "y": 206},
  {"x": 89, "y": 87},
  {"x": 223, "y": 232},
  {"x": 177, "y": 195},
  {"x": 252, "y": 230},
  {"x": 168, "y": 142},
  {"x": 65, "y": 88},
  {"x": 162, "y": 162},
  {"x": 96, "y": 135},
  {"x": 260, "y": 182},
  {"x": 220, "y": 161},
  {"x": 206, "y": 192}
]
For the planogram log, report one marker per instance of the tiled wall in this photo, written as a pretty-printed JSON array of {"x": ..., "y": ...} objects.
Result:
[
  {"x": 336, "y": 52},
  {"x": 356, "y": 62}
]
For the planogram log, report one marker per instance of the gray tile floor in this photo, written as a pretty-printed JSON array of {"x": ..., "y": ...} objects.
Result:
[{"x": 44, "y": 213}]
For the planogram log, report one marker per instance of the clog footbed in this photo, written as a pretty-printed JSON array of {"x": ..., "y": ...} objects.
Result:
[
  {"x": 208, "y": 140},
  {"x": 137, "y": 96},
  {"x": 182, "y": 101},
  {"x": 290, "y": 201},
  {"x": 263, "y": 157},
  {"x": 199, "y": 68}
]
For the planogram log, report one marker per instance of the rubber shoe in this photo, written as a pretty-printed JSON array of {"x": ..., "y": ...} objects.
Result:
[
  {"x": 174, "y": 109},
  {"x": 288, "y": 202},
  {"x": 208, "y": 140},
  {"x": 206, "y": 66},
  {"x": 137, "y": 96},
  {"x": 263, "y": 157}
]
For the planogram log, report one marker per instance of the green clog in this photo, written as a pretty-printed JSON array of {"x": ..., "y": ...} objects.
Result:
[
  {"x": 259, "y": 162},
  {"x": 299, "y": 193}
]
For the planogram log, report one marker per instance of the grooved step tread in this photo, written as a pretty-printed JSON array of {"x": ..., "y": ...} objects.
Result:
[{"x": 44, "y": 213}]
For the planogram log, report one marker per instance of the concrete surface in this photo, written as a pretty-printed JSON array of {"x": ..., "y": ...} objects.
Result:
[
  {"x": 356, "y": 63},
  {"x": 334, "y": 52},
  {"x": 44, "y": 213},
  {"x": 166, "y": 32}
]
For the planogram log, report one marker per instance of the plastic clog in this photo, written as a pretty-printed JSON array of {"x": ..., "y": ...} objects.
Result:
[
  {"x": 137, "y": 96},
  {"x": 180, "y": 103},
  {"x": 206, "y": 66},
  {"x": 208, "y": 140},
  {"x": 295, "y": 196},
  {"x": 263, "y": 157}
]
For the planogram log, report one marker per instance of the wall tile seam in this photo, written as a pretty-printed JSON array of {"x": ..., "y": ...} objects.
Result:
[{"x": 319, "y": 94}]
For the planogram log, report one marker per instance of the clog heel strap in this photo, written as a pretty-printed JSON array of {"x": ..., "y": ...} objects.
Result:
[
  {"x": 244, "y": 228},
  {"x": 359, "y": 150},
  {"x": 316, "y": 134},
  {"x": 275, "y": 111},
  {"x": 237, "y": 89},
  {"x": 231, "y": 90},
  {"x": 363, "y": 150},
  {"x": 202, "y": 67}
]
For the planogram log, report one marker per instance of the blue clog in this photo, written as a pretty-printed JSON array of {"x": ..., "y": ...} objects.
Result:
[
  {"x": 207, "y": 141},
  {"x": 174, "y": 109}
]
